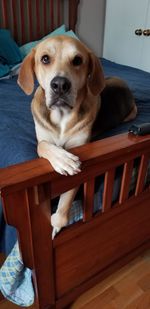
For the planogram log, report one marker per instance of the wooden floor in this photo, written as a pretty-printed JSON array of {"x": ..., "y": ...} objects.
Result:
[{"x": 128, "y": 288}]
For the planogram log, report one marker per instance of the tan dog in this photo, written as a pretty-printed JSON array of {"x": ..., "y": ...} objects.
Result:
[{"x": 65, "y": 105}]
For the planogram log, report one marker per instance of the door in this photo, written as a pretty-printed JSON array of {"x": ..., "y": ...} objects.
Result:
[
  {"x": 121, "y": 44},
  {"x": 145, "y": 58}
]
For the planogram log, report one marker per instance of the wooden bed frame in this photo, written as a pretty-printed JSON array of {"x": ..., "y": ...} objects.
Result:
[{"x": 87, "y": 251}]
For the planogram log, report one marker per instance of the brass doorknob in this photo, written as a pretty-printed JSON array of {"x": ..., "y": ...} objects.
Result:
[
  {"x": 146, "y": 32},
  {"x": 138, "y": 31}
]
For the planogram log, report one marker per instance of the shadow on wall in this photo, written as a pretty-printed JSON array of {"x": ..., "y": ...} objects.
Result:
[{"x": 90, "y": 26}]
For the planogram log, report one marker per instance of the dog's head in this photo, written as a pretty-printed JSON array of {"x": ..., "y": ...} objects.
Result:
[{"x": 63, "y": 66}]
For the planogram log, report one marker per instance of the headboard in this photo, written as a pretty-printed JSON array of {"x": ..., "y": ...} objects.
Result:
[{"x": 29, "y": 20}]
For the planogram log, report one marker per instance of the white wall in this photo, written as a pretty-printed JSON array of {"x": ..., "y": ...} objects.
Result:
[{"x": 90, "y": 27}]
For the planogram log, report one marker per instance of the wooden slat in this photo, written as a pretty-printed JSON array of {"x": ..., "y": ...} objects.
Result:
[
  {"x": 73, "y": 11},
  {"x": 142, "y": 174},
  {"x": 14, "y": 16},
  {"x": 22, "y": 21},
  {"x": 38, "y": 33},
  {"x": 4, "y": 14},
  {"x": 31, "y": 32},
  {"x": 59, "y": 12},
  {"x": 52, "y": 13},
  {"x": 88, "y": 200},
  {"x": 108, "y": 189},
  {"x": 125, "y": 183},
  {"x": 45, "y": 16},
  {"x": 41, "y": 234}
]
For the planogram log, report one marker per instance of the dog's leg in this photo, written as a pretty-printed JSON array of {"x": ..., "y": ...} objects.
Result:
[
  {"x": 132, "y": 114},
  {"x": 60, "y": 218},
  {"x": 63, "y": 162}
]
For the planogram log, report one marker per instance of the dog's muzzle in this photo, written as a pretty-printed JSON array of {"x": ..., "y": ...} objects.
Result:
[{"x": 61, "y": 87}]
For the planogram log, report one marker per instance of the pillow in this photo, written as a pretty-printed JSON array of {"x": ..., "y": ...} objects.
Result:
[
  {"x": 72, "y": 34},
  {"x": 26, "y": 48},
  {"x": 4, "y": 70},
  {"x": 9, "y": 50}
]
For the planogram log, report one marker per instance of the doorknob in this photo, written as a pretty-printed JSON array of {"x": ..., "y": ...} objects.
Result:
[
  {"x": 146, "y": 32},
  {"x": 138, "y": 31}
]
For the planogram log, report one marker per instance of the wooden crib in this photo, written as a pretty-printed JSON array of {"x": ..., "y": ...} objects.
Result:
[{"x": 84, "y": 253}]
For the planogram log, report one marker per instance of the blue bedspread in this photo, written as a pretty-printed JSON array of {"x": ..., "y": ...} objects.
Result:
[
  {"x": 17, "y": 140},
  {"x": 17, "y": 133}
]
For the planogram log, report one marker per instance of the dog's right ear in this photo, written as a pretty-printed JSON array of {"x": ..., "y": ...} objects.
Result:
[
  {"x": 26, "y": 74},
  {"x": 96, "y": 80}
]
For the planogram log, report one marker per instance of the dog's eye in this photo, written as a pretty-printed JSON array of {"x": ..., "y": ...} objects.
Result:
[
  {"x": 77, "y": 61},
  {"x": 45, "y": 59}
]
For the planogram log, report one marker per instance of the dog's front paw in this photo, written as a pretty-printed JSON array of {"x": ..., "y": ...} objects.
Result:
[
  {"x": 58, "y": 221},
  {"x": 65, "y": 163},
  {"x": 56, "y": 230}
]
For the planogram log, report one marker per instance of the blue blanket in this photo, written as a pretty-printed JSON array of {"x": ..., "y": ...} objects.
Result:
[{"x": 17, "y": 140}]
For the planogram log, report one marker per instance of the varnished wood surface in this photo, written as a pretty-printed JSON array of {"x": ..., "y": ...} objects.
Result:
[
  {"x": 74, "y": 271},
  {"x": 128, "y": 288},
  {"x": 115, "y": 149}
]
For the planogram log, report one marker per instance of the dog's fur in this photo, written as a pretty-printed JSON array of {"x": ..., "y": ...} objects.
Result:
[{"x": 67, "y": 107}]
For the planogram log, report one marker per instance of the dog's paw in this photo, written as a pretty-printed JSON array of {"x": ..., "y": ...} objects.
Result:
[
  {"x": 65, "y": 163},
  {"x": 56, "y": 230},
  {"x": 58, "y": 221}
]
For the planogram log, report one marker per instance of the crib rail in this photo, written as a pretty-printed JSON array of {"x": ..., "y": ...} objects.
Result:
[{"x": 28, "y": 188}]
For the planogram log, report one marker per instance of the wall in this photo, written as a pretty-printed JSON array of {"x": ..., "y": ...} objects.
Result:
[{"x": 90, "y": 27}]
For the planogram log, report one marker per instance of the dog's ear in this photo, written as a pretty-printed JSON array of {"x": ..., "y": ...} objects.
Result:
[
  {"x": 26, "y": 74},
  {"x": 96, "y": 81}
]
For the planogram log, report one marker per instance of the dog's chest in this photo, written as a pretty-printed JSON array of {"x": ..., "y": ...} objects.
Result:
[
  {"x": 66, "y": 132},
  {"x": 61, "y": 120}
]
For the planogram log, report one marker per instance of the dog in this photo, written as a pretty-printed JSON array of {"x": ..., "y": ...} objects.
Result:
[{"x": 72, "y": 103}]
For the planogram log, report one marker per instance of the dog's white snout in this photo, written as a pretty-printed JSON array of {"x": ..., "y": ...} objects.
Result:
[{"x": 60, "y": 85}]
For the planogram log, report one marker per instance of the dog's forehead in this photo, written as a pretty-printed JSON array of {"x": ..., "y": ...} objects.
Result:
[{"x": 64, "y": 45}]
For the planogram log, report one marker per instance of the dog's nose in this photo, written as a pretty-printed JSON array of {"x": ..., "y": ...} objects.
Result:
[{"x": 60, "y": 85}]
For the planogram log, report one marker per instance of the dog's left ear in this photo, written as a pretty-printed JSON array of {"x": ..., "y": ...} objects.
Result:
[
  {"x": 96, "y": 80},
  {"x": 26, "y": 74}
]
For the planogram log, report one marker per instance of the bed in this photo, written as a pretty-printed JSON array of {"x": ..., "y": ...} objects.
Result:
[{"x": 114, "y": 232}]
